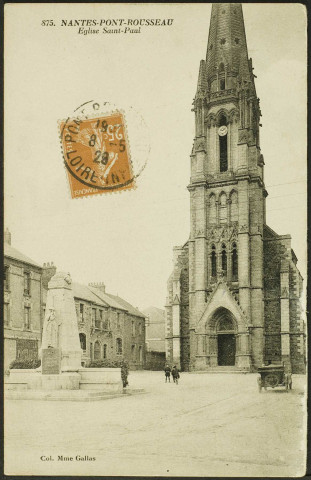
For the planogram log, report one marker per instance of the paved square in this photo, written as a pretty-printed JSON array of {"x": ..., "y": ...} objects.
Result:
[{"x": 208, "y": 425}]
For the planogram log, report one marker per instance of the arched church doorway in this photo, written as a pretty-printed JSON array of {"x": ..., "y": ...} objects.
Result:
[{"x": 226, "y": 337}]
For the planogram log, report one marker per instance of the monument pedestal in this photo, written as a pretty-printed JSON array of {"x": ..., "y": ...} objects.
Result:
[
  {"x": 60, "y": 376},
  {"x": 63, "y": 381}
]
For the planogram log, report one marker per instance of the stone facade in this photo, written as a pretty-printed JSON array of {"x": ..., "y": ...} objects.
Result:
[
  {"x": 22, "y": 307},
  {"x": 109, "y": 327},
  {"x": 233, "y": 296}
]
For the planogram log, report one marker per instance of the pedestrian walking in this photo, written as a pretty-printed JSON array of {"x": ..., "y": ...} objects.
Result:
[
  {"x": 175, "y": 374},
  {"x": 124, "y": 373},
  {"x": 167, "y": 371}
]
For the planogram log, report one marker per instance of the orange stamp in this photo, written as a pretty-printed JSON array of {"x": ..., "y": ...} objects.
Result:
[{"x": 96, "y": 154}]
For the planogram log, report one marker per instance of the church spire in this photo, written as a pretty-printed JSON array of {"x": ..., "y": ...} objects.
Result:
[{"x": 227, "y": 48}]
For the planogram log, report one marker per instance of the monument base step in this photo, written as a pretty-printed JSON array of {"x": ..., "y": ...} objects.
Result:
[{"x": 67, "y": 395}]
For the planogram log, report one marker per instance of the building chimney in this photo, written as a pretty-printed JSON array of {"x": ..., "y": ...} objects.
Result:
[
  {"x": 48, "y": 272},
  {"x": 100, "y": 285},
  {"x": 7, "y": 236}
]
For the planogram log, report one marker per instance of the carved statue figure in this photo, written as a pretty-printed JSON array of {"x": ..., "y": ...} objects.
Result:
[{"x": 52, "y": 329}]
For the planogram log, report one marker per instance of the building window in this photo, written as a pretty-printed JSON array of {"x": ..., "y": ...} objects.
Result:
[
  {"x": 140, "y": 328},
  {"x": 213, "y": 261},
  {"x": 6, "y": 319},
  {"x": 81, "y": 312},
  {"x": 82, "y": 341},
  {"x": 223, "y": 149},
  {"x": 96, "y": 351},
  {"x": 140, "y": 353},
  {"x": 223, "y": 153},
  {"x": 133, "y": 328},
  {"x": 222, "y": 81},
  {"x": 118, "y": 321},
  {"x": 96, "y": 322},
  {"x": 223, "y": 208},
  {"x": 119, "y": 346},
  {"x": 234, "y": 207},
  {"x": 224, "y": 259},
  {"x": 234, "y": 263},
  {"x": 133, "y": 352},
  {"x": 6, "y": 277},
  {"x": 27, "y": 324},
  {"x": 101, "y": 314},
  {"x": 212, "y": 209},
  {"x": 91, "y": 350},
  {"x": 105, "y": 351},
  {"x": 27, "y": 283}
]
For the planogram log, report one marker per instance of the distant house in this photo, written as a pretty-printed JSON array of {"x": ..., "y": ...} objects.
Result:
[
  {"x": 155, "y": 338},
  {"x": 22, "y": 304}
]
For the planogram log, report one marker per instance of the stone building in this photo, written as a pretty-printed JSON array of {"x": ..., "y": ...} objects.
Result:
[
  {"x": 22, "y": 304},
  {"x": 233, "y": 295},
  {"x": 109, "y": 327},
  {"x": 155, "y": 338}
]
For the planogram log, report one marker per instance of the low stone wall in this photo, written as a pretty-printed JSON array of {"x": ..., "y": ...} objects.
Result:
[
  {"x": 104, "y": 379},
  {"x": 23, "y": 379},
  {"x": 100, "y": 379}
]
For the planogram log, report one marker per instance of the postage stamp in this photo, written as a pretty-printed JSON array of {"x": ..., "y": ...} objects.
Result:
[{"x": 96, "y": 152}]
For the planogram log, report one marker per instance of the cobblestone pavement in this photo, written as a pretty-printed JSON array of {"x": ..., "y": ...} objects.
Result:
[{"x": 208, "y": 425}]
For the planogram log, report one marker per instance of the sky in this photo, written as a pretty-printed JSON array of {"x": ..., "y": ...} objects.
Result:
[{"x": 125, "y": 239}]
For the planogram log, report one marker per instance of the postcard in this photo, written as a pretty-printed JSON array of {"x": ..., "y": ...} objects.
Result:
[{"x": 155, "y": 239}]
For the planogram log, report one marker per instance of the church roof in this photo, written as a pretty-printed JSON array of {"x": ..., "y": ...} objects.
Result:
[
  {"x": 227, "y": 40},
  {"x": 12, "y": 252}
]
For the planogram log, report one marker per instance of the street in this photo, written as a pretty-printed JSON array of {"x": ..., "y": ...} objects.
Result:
[{"x": 208, "y": 425}]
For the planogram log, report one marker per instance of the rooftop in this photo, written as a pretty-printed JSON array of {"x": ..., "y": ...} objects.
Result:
[{"x": 15, "y": 254}]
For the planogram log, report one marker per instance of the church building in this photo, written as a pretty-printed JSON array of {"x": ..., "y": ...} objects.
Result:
[{"x": 233, "y": 295}]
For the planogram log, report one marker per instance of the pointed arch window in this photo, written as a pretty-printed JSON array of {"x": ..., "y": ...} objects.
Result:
[
  {"x": 213, "y": 262},
  {"x": 82, "y": 341},
  {"x": 234, "y": 262},
  {"x": 223, "y": 208},
  {"x": 212, "y": 209},
  {"x": 224, "y": 259},
  {"x": 221, "y": 71},
  {"x": 234, "y": 207},
  {"x": 223, "y": 146}
]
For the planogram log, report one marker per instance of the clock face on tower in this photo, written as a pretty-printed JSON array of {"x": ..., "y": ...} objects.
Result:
[{"x": 222, "y": 131}]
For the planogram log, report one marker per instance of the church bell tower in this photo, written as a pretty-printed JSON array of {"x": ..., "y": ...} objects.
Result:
[
  {"x": 227, "y": 199},
  {"x": 233, "y": 295}
]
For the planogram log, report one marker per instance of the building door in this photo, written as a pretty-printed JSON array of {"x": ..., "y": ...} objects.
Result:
[{"x": 226, "y": 349}]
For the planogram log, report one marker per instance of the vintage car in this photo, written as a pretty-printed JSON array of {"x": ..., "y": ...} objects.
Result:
[{"x": 274, "y": 375}]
